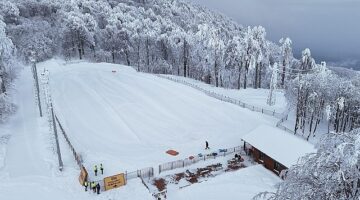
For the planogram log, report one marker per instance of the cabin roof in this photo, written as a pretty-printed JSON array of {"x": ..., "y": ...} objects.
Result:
[{"x": 281, "y": 146}]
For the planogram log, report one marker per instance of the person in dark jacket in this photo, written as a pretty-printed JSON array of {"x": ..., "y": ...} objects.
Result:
[
  {"x": 207, "y": 145},
  {"x": 98, "y": 188}
]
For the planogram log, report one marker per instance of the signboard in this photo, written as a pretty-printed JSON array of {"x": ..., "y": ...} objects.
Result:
[
  {"x": 83, "y": 175},
  {"x": 115, "y": 181}
]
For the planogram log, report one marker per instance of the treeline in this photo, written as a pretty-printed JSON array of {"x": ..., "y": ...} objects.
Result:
[
  {"x": 175, "y": 37},
  {"x": 155, "y": 36}
]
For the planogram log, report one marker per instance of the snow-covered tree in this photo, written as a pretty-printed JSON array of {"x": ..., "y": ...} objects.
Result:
[
  {"x": 330, "y": 173},
  {"x": 273, "y": 85},
  {"x": 286, "y": 54},
  {"x": 6, "y": 53}
]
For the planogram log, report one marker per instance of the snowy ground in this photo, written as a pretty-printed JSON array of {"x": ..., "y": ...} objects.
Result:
[
  {"x": 254, "y": 97},
  {"x": 125, "y": 120},
  {"x": 29, "y": 169},
  {"x": 242, "y": 184}
]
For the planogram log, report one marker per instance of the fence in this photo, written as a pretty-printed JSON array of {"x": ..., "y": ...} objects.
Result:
[
  {"x": 50, "y": 114},
  {"x": 186, "y": 162},
  {"x": 226, "y": 98},
  {"x": 36, "y": 84},
  {"x": 75, "y": 154},
  {"x": 141, "y": 173},
  {"x": 279, "y": 125}
]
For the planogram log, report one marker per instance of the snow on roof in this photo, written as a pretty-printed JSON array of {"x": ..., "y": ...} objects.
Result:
[{"x": 281, "y": 146}]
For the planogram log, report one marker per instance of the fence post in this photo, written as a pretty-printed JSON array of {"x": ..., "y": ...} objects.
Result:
[
  {"x": 56, "y": 138},
  {"x": 159, "y": 169},
  {"x": 35, "y": 74},
  {"x": 274, "y": 113}
]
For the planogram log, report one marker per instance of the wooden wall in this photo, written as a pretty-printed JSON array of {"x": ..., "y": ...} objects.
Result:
[{"x": 267, "y": 161}]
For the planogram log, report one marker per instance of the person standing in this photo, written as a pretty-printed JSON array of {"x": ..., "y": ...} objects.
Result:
[
  {"x": 93, "y": 186},
  {"x": 98, "y": 188},
  {"x": 95, "y": 170},
  {"x": 86, "y": 185},
  {"x": 207, "y": 145},
  {"x": 102, "y": 169}
]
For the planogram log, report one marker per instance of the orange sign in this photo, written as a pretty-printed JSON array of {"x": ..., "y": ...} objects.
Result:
[{"x": 115, "y": 181}]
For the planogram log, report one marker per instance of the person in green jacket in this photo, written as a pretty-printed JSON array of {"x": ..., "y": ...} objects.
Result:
[
  {"x": 102, "y": 169},
  {"x": 93, "y": 186},
  {"x": 95, "y": 170},
  {"x": 86, "y": 184}
]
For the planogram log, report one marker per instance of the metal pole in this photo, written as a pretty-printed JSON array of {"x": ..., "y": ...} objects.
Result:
[
  {"x": 37, "y": 87},
  {"x": 56, "y": 139}
]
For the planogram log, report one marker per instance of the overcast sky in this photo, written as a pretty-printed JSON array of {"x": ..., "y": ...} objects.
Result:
[{"x": 330, "y": 28}]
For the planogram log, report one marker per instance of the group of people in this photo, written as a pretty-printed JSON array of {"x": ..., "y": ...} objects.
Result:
[
  {"x": 95, "y": 187},
  {"x": 96, "y": 169}
]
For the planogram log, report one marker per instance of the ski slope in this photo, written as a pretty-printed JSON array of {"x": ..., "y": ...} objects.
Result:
[
  {"x": 127, "y": 120},
  {"x": 29, "y": 168}
]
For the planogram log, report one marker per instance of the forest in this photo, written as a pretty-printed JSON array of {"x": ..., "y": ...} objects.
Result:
[{"x": 176, "y": 37}]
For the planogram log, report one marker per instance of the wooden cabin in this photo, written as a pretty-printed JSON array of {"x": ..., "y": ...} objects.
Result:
[{"x": 276, "y": 149}]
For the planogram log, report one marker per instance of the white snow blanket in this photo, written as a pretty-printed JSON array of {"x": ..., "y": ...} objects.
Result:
[
  {"x": 243, "y": 184},
  {"x": 128, "y": 120},
  {"x": 281, "y": 146}
]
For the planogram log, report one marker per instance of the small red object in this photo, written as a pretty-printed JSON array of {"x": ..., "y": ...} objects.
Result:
[
  {"x": 172, "y": 152},
  {"x": 191, "y": 157}
]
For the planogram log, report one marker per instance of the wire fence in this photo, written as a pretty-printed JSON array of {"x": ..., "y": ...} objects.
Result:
[
  {"x": 77, "y": 156},
  {"x": 37, "y": 87},
  {"x": 282, "y": 127},
  {"x": 195, "y": 159},
  {"x": 50, "y": 114},
  {"x": 225, "y": 98}
]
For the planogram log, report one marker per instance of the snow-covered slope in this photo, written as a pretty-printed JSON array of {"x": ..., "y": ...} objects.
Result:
[
  {"x": 127, "y": 120},
  {"x": 254, "y": 97}
]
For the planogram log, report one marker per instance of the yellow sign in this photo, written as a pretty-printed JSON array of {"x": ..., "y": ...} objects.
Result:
[
  {"x": 83, "y": 176},
  {"x": 116, "y": 181}
]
